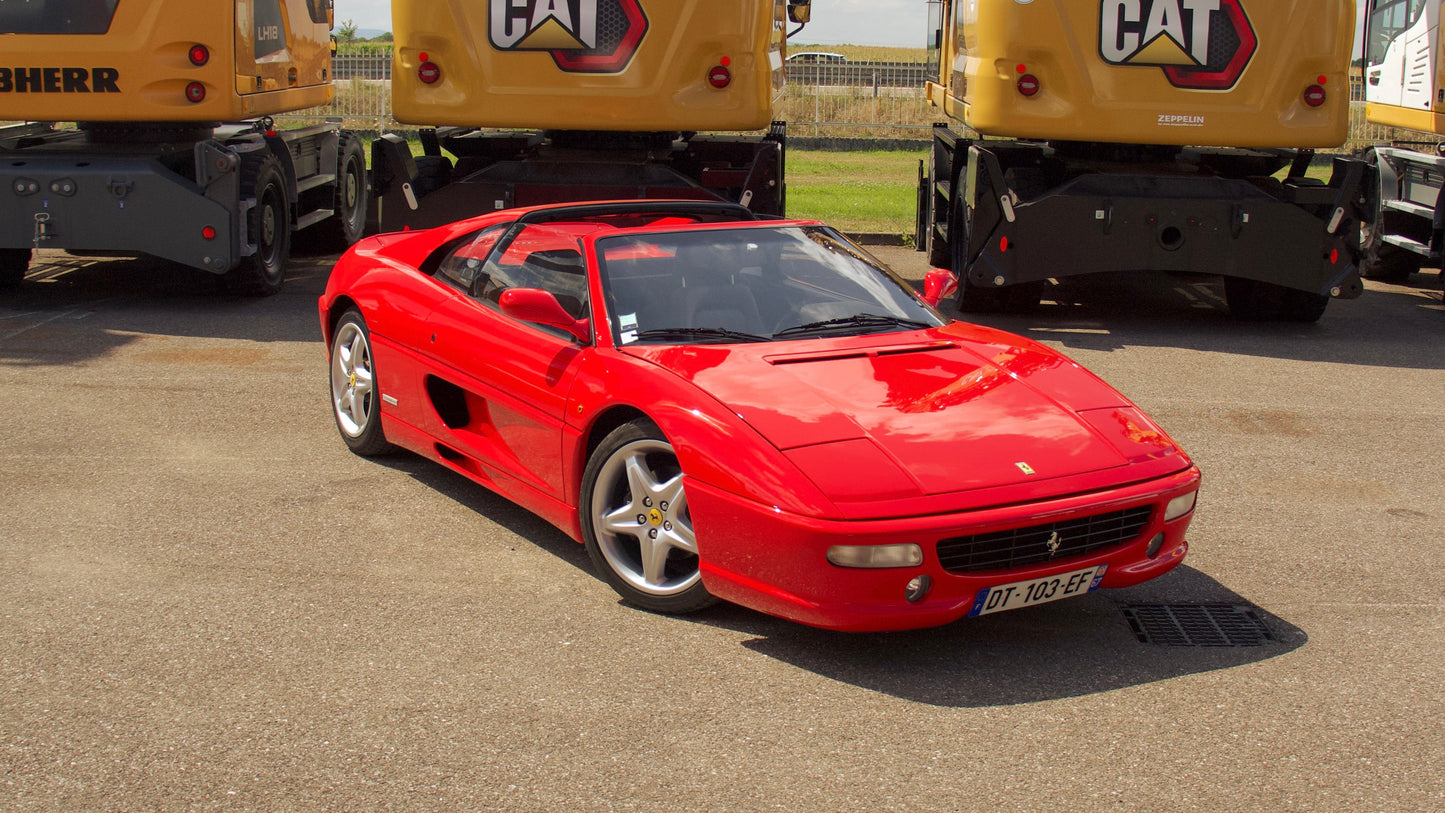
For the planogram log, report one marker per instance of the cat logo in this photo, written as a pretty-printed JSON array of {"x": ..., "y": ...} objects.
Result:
[
  {"x": 583, "y": 36},
  {"x": 1200, "y": 44}
]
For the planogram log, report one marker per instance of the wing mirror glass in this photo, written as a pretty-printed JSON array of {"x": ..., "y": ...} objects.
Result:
[{"x": 800, "y": 11}]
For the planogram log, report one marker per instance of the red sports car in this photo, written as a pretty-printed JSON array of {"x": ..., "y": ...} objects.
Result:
[{"x": 726, "y": 407}]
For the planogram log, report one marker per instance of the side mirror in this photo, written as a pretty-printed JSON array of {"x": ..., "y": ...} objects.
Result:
[
  {"x": 800, "y": 11},
  {"x": 939, "y": 284},
  {"x": 536, "y": 305}
]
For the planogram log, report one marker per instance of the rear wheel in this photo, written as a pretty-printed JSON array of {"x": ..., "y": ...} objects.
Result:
[
  {"x": 13, "y": 264},
  {"x": 636, "y": 522},
  {"x": 269, "y": 227},
  {"x": 347, "y": 225},
  {"x": 355, "y": 400}
]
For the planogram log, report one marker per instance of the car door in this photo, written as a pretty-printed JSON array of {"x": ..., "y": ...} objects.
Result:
[{"x": 501, "y": 385}]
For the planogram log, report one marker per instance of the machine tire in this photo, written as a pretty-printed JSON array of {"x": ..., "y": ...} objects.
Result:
[
  {"x": 432, "y": 173},
  {"x": 13, "y": 264},
  {"x": 269, "y": 224},
  {"x": 1253, "y": 300},
  {"x": 350, "y": 201},
  {"x": 652, "y": 563},
  {"x": 1380, "y": 260}
]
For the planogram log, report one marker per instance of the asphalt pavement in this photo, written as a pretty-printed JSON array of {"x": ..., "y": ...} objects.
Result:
[{"x": 209, "y": 603}]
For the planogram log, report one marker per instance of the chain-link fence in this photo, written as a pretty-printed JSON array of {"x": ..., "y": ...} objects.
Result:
[{"x": 827, "y": 96}]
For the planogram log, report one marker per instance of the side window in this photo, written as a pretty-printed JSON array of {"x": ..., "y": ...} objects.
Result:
[
  {"x": 462, "y": 268},
  {"x": 319, "y": 10},
  {"x": 56, "y": 16},
  {"x": 542, "y": 256}
]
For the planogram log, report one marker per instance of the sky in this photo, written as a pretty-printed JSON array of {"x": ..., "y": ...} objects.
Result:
[{"x": 835, "y": 22}]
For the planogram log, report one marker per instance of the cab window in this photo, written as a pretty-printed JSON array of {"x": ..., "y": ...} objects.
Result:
[{"x": 56, "y": 16}]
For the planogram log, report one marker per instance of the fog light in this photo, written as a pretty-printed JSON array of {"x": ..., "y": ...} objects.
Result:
[
  {"x": 917, "y": 589},
  {"x": 876, "y": 555},
  {"x": 1179, "y": 506},
  {"x": 1154, "y": 545},
  {"x": 1028, "y": 85},
  {"x": 1314, "y": 95},
  {"x": 428, "y": 72}
]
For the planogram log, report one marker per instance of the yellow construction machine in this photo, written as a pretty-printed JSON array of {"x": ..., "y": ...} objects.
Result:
[
  {"x": 151, "y": 164},
  {"x": 1143, "y": 135}
]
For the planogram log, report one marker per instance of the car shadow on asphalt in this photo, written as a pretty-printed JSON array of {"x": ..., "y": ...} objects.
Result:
[
  {"x": 1391, "y": 325},
  {"x": 1076, "y": 647},
  {"x": 1065, "y": 649}
]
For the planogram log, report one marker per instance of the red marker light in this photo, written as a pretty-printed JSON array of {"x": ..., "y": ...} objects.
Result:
[
  {"x": 199, "y": 55},
  {"x": 208, "y": 232},
  {"x": 428, "y": 72},
  {"x": 1022, "y": 68},
  {"x": 1314, "y": 95},
  {"x": 196, "y": 92},
  {"x": 1003, "y": 244},
  {"x": 1028, "y": 85},
  {"x": 720, "y": 77}
]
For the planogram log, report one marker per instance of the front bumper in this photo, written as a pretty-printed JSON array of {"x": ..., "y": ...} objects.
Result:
[{"x": 774, "y": 562}]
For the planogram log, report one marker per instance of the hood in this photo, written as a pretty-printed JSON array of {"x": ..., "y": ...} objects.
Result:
[{"x": 922, "y": 413}]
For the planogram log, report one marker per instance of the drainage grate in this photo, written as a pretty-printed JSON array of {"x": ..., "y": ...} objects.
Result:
[{"x": 1197, "y": 624}]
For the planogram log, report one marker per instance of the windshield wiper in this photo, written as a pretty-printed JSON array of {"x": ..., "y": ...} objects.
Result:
[
  {"x": 857, "y": 320},
  {"x": 701, "y": 333}
]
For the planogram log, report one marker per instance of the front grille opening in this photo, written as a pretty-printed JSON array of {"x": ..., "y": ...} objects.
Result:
[
  {"x": 1042, "y": 544},
  {"x": 1215, "y": 625}
]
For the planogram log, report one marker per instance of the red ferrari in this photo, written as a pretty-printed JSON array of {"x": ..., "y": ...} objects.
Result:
[{"x": 720, "y": 406}]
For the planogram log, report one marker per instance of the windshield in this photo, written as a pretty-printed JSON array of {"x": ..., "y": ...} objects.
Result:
[
  {"x": 750, "y": 284},
  {"x": 56, "y": 16}
]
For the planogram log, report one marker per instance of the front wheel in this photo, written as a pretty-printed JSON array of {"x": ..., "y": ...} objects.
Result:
[
  {"x": 355, "y": 401},
  {"x": 636, "y": 523}
]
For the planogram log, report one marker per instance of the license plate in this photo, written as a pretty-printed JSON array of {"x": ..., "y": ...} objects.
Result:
[{"x": 1037, "y": 591}]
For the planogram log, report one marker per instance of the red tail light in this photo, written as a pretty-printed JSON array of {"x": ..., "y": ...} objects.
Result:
[
  {"x": 199, "y": 55},
  {"x": 1314, "y": 95},
  {"x": 1028, "y": 85},
  {"x": 428, "y": 72},
  {"x": 196, "y": 92}
]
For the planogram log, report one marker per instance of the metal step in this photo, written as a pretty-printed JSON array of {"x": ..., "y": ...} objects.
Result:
[
  {"x": 1406, "y": 243},
  {"x": 315, "y": 181},
  {"x": 1410, "y": 207},
  {"x": 312, "y": 218}
]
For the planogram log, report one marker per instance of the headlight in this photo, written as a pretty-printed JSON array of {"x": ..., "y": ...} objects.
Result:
[
  {"x": 1179, "y": 506},
  {"x": 876, "y": 555}
]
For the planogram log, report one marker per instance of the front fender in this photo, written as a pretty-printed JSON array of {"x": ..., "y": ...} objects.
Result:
[{"x": 713, "y": 444}]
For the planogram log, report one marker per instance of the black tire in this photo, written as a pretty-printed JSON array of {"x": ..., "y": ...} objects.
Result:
[
  {"x": 268, "y": 224},
  {"x": 972, "y": 298},
  {"x": 1252, "y": 300},
  {"x": 432, "y": 173},
  {"x": 642, "y": 543},
  {"x": 13, "y": 264},
  {"x": 939, "y": 253},
  {"x": 348, "y": 224},
  {"x": 355, "y": 393},
  {"x": 1380, "y": 260}
]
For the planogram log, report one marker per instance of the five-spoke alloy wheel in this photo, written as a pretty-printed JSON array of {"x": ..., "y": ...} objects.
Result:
[
  {"x": 636, "y": 522},
  {"x": 355, "y": 401}
]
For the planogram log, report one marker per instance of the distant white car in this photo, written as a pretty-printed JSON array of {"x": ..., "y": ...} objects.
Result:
[{"x": 817, "y": 57}]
